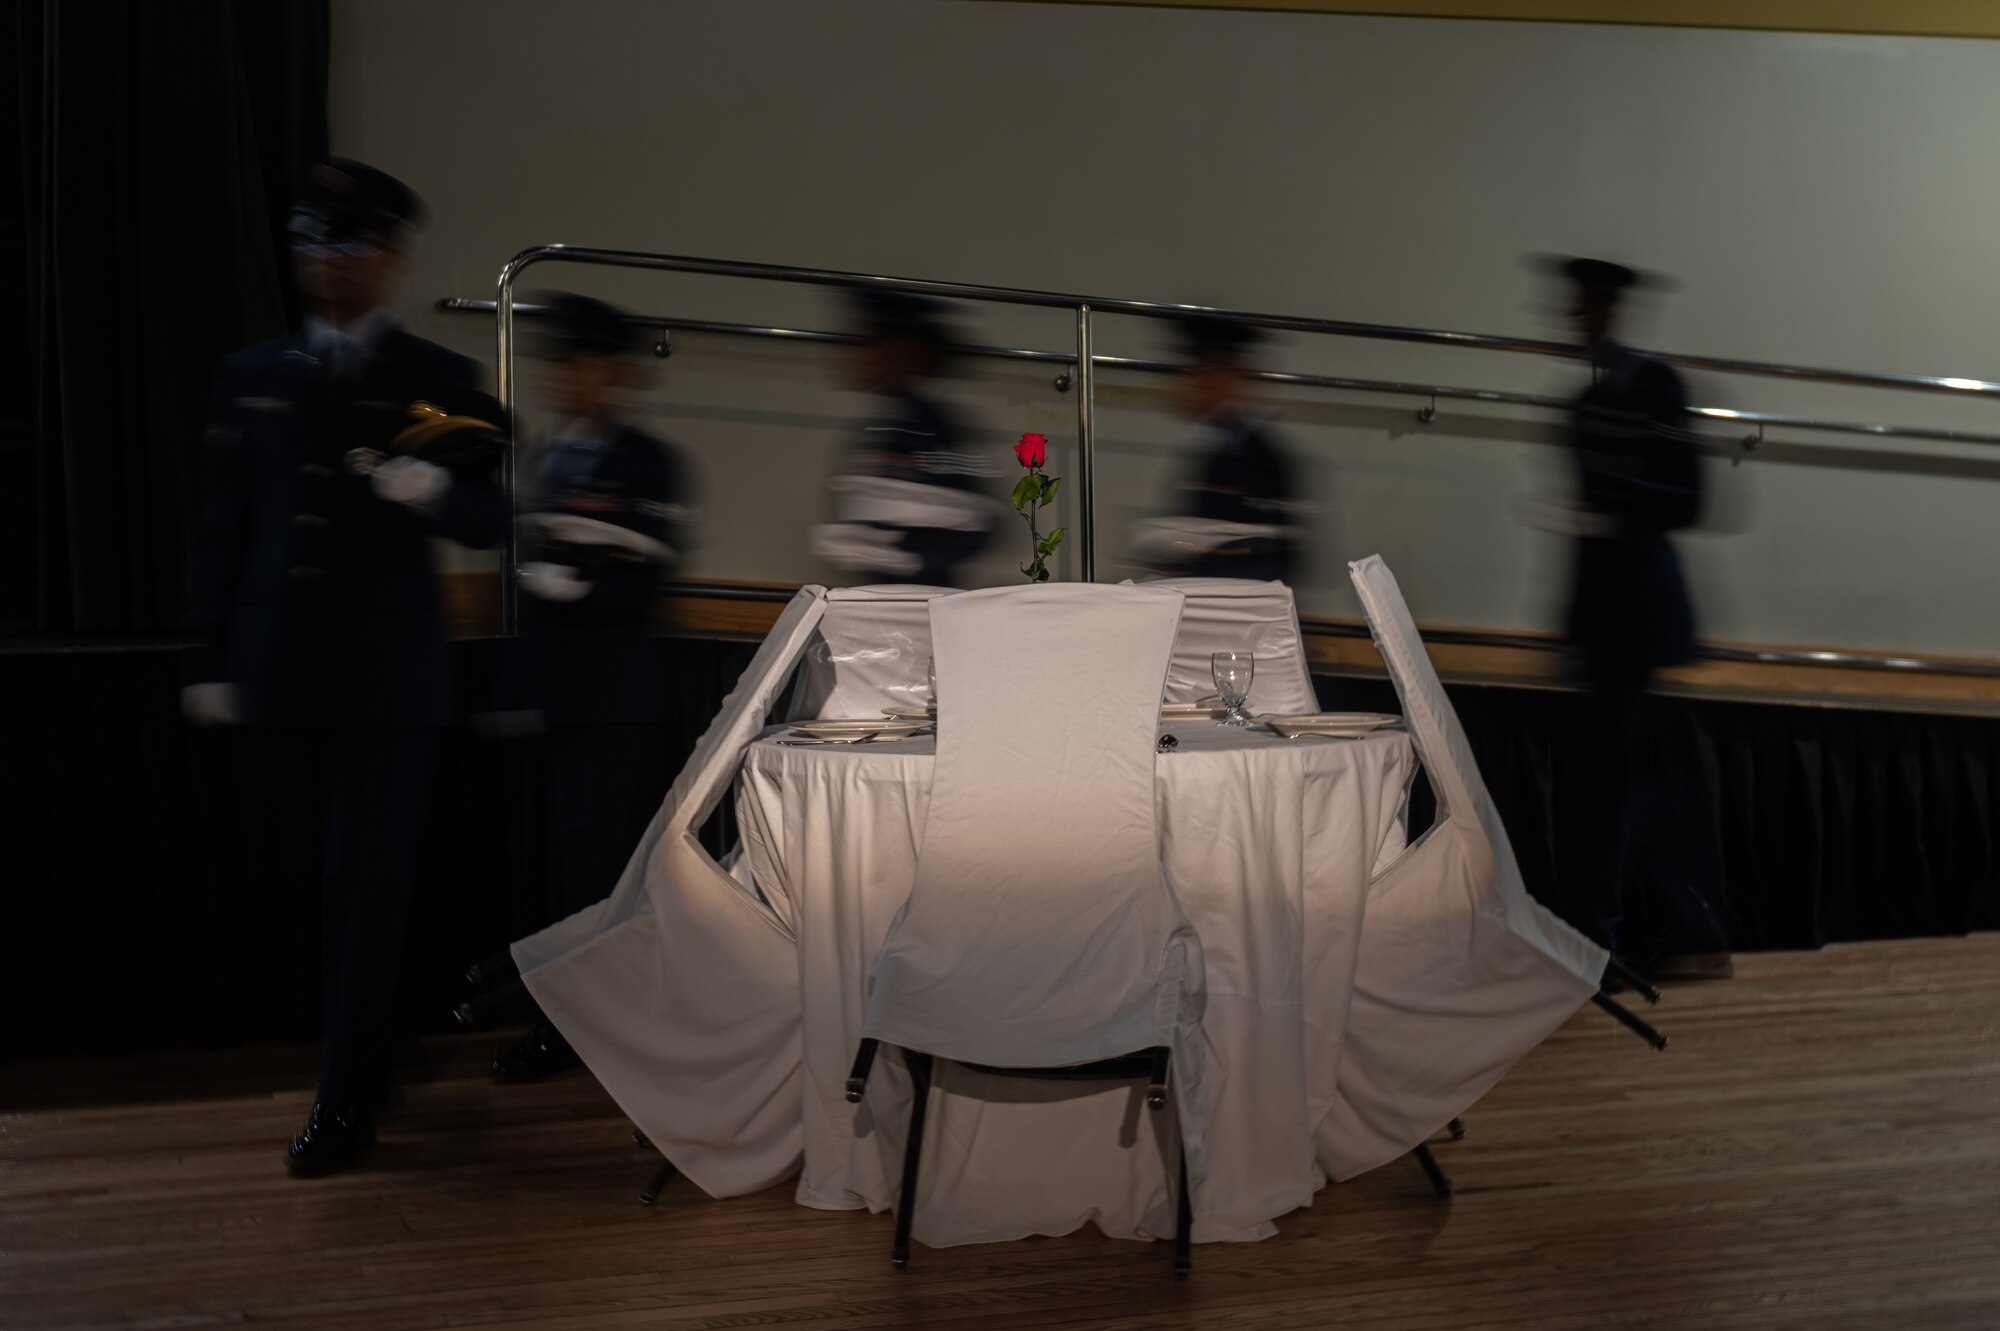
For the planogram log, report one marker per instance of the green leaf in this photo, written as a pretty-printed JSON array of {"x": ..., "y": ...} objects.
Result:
[
  {"x": 1050, "y": 484},
  {"x": 1028, "y": 487},
  {"x": 1047, "y": 545},
  {"x": 1041, "y": 574}
]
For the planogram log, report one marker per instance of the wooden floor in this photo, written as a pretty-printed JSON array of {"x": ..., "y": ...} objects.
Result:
[{"x": 1819, "y": 1148}]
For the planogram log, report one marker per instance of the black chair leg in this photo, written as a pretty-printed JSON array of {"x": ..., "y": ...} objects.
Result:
[
  {"x": 661, "y": 1178},
  {"x": 1184, "y": 1223},
  {"x": 1633, "y": 980},
  {"x": 1625, "y": 1016},
  {"x": 913, "y": 1150},
  {"x": 509, "y": 1000},
  {"x": 1156, "y": 1089},
  {"x": 857, "y": 1078},
  {"x": 1457, "y": 1129},
  {"x": 1439, "y": 1183},
  {"x": 494, "y": 970}
]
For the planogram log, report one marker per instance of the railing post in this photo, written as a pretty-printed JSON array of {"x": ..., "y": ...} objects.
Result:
[
  {"x": 1086, "y": 514},
  {"x": 503, "y": 383}
]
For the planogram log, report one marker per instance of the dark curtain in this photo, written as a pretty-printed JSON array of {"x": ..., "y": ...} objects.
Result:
[
  {"x": 145, "y": 901},
  {"x": 158, "y": 146},
  {"x": 1813, "y": 825},
  {"x": 139, "y": 908}
]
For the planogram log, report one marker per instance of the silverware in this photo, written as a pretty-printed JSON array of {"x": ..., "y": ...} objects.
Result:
[{"x": 865, "y": 737}]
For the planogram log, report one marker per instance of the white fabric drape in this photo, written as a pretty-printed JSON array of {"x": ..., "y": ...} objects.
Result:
[
  {"x": 1237, "y": 614},
  {"x": 1460, "y": 971},
  {"x": 1039, "y": 931},
  {"x": 869, "y": 653},
  {"x": 680, "y": 990},
  {"x": 871, "y": 647},
  {"x": 1358, "y": 994},
  {"x": 1269, "y": 844}
]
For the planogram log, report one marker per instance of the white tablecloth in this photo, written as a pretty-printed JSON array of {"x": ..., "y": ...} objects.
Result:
[{"x": 1269, "y": 844}]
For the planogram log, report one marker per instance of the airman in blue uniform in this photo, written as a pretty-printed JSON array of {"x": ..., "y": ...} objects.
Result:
[{"x": 317, "y": 610}]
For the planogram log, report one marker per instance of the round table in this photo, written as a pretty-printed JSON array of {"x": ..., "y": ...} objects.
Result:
[{"x": 1268, "y": 843}]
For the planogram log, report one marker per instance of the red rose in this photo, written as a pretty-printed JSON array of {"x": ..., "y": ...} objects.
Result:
[{"x": 1033, "y": 450}]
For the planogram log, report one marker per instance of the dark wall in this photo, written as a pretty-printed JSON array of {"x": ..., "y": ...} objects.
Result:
[{"x": 138, "y": 910}]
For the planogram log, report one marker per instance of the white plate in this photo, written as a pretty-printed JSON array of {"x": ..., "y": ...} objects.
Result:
[
  {"x": 1331, "y": 723},
  {"x": 850, "y": 729},
  {"x": 922, "y": 715}
]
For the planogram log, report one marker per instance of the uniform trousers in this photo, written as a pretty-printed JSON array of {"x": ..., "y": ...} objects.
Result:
[
  {"x": 356, "y": 801},
  {"x": 1629, "y": 839}
]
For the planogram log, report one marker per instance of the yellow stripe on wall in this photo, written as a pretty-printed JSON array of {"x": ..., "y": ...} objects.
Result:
[{"x": 1917, "y": 18}]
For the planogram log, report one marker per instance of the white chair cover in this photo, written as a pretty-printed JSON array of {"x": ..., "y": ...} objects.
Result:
[
  {"x": 1040, "y": 931},
  {"x": 1232, "y": 614},
  {"x": 701, "y": 1046},
  {"x": 1460, "y": 971},
  {"x": 868, "y": 654}
]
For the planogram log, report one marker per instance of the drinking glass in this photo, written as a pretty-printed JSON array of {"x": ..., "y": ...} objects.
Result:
[
  {"x": 930, "y": 670},
  {"x": 1233, "y": 672}
]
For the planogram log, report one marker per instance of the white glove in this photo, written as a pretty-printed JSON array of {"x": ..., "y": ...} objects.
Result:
[
  {"x": 212, "y": 704},
  {"x": 858, "y": 547},
  {"x": 553, "y": 582},
  {"x": 1567, "y": 519},
  {"x": 410, "y": 481}
]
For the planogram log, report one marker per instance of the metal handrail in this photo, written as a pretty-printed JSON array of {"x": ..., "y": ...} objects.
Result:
[
  {"x": 1086, "y": 362},
  {"x": 1164, "y": 310},
  {"x": 468, "y": 305}
]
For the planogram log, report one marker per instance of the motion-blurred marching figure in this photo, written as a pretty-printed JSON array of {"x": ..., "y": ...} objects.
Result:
[
  {"x": 908, "y": 505},
  {"x": 1239, "y": 508},
  {"x": 608, "y": 506},
  {"x": 1638, "y": 478},
  {"x": 332, "y": 458}
]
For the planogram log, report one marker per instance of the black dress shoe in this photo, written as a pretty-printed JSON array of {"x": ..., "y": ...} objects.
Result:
[
  {"x": 542, "y": 1053},
  {"x": 333, "y": 1139}
]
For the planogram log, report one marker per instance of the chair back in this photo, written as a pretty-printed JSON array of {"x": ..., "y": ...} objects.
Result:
[
  {"x": 1459, "y": 971},
  {"x": 1040, "y": 930},
  {"x": 868, "y": 655},
  {"x": 1238, "y": 614}
]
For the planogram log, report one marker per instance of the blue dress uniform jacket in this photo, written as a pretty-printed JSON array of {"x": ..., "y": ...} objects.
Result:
[
  {"x": 1636, "y": 466},
  {"x": 598, "y": 666},
  {"x": 1630, "y": 614},
  {"x": 599, "y": 658},
  {"x": 317, "y": 599},
  {"x": 1243, "y": 476},
  {"x": 916, "y": 439},
  {"x": 310, "y": 593}
]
